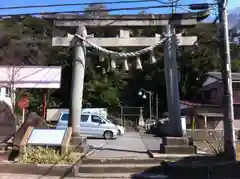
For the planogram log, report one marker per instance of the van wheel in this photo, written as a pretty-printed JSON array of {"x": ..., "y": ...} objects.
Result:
[{"x": 108, "y": 135}]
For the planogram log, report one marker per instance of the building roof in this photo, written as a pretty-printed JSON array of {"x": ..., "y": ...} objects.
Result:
[
  {"x": 210, "y": 114},
  {"x": 218, "y": 76},
  {"x": 197, "y": 104}
]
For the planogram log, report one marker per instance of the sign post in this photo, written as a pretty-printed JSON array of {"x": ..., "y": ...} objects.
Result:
[
  {"x": 23, "y": 115},
  {"x": 23, "y": 103}
]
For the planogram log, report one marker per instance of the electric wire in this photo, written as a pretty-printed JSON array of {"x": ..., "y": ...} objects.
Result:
[
  {"x": 184, "y": 9},
  {"x": 97, "y": 10},
  {"x": 74, "y": 4},
  {"x": 170, "y": 2}
]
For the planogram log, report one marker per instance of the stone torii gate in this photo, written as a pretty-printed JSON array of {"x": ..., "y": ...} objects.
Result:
[{"x": 170, "y": 22}]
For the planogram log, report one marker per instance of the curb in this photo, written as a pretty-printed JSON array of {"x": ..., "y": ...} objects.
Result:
[
  {"x": 162, "y": 156},
  {"x": 120, "y": 161},
  {"x": 37, "y": 169},
  {"x": 121, "y": 175}
]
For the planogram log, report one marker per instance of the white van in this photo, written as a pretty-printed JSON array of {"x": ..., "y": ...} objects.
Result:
[{"x": 91, "y": 125}]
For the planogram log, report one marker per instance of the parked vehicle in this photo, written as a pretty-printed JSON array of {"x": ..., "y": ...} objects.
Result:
[
  {"x": 102, "y": 112},
  {"x": 121, "y": 129},
  {"x": 91, "y": 125}
]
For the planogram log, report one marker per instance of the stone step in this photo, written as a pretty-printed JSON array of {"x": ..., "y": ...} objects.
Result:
[
  {"x": 120, "y": 175},
  {"x": 121, "y": 161},
  {"x": 3, "y": 147},
  {"x": 174, "y": 157},
  {"x": 177, "y": 149},
  {"x": 118, "y": 168},
  {"x": 175, "y": 141},
  {"x": 4, "y": 155}
]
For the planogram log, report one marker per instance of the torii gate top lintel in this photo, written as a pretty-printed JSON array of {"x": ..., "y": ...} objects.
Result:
[{"x": 143, "y": 20}]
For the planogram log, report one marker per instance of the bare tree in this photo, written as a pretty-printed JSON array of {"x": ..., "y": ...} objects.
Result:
[{"x": 96, "y": 10}]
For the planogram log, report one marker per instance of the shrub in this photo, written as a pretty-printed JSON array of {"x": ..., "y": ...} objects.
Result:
[
  {"x": 42, "y": 155},
  {"x": 215, "y": 142}
]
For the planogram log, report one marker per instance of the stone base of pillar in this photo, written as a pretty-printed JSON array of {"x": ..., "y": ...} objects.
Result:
[
  {"x": 177, "y": 145},
  {"x": 79, "y": 144}
]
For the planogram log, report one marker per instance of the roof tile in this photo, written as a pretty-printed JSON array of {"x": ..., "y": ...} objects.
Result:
[{"x": 218, "y": 75}]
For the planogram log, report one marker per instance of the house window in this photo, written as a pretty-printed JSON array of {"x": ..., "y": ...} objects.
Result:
[
  {"x": 236, "y": 96},
  {"x": 236, "y": 86},
  {"x": 214, "y": 93},
  {"x": 207, "y": 95},
  {"x": 202, "y": 95}
]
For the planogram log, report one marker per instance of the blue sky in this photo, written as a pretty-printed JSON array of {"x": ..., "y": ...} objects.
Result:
[{"x": 7, "y": 3}]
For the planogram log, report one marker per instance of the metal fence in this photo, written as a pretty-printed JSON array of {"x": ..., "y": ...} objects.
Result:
[{"x": 203, "y": 134}]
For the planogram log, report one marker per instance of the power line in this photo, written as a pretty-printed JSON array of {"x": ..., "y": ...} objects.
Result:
[
  {"x": 96, "y": 10},
  {"x": 74, "y": 4},
  {"x": 174, "y": 4},
  {"x": 184, "y": 9},
  {"x": 170, "y": 2}
]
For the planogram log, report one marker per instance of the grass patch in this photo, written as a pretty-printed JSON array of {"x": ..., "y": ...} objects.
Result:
[{"x": 42, "y": 155}]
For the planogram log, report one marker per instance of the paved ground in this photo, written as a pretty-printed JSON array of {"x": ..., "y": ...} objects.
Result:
[
  {"x": 151, "y": 142},
  {"x": 131, "y": 144}
]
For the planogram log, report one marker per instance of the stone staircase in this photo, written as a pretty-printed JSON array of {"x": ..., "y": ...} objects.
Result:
[
  {"x": 152, "y": 168},
  {"x": 119, "y": 168}
]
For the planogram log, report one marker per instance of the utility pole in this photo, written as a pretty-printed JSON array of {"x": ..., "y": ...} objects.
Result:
[
  {"x": 227, "y": 103},
  {"x": 78, "y": 70},
  {"x": 122, "y": 116},
  {"x": 150, "y": 104},
  {"x": 174, "y": 4},
  {"x": 157, "y": 105}
]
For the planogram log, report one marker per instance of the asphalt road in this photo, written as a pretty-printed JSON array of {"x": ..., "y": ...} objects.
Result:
[
  {"x": 151, "y": 142},
  {"x": 129, "y": 145}
]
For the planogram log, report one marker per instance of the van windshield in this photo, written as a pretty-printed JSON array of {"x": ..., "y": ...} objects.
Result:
[
  {"x": 109, "y": 121},
  {"x": 65, "y": 117}
]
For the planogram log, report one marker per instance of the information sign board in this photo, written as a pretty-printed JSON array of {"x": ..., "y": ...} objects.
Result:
[{"x": 50, "y": 137}]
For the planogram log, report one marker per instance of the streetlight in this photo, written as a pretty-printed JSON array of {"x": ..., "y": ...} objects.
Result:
[
  {"x": 144, "y": 96},
  {"x": 140, "y": 93}
]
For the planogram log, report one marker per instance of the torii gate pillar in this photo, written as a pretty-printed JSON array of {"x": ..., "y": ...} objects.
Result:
[
  {"x": 172, "y": 86},
  {"x": 76, "y": 94}
]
